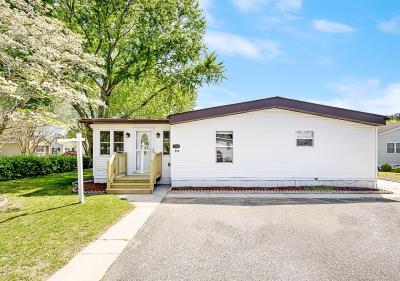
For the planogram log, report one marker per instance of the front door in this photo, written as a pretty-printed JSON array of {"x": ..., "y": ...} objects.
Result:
[{"x": 143, "y": 151}]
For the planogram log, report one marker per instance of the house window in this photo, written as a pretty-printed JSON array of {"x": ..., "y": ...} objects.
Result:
[
  {"x": 305, "y": 138},
  {"x": 118, "y": 141},
  {"x": 224, "y": 143},
  {"x": 104, "y": 142},
  {"x": 40, "y": 149},
  {"x": 55, "y": 150},
  {"x": 166, "y": 142},
  {"x": 393, "y": 147}
]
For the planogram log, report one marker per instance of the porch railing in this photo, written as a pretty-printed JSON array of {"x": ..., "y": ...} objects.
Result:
[
  {"x": 116, "y": 165},
  {"x": 155, "y": 168}
]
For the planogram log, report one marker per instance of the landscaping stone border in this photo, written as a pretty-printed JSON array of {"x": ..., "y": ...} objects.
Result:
[{"x": 276, "y": 190}]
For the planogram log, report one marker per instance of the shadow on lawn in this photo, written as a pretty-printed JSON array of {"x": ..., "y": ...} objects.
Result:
[
  {"x": 274, "y": 201},
  {"x": 38, "y": 212},
  {"x": 51, "y": 185}
]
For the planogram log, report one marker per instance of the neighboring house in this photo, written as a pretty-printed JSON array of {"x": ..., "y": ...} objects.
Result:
[
  {"x": 9, "y": 147},
  {"x": 269, "y": 142},
  {"x": 389, "y": 144}
]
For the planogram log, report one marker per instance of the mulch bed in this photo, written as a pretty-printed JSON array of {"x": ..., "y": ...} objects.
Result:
[
  {"x": 90, "y": 187},
  {"x": 284, "y": 189}
]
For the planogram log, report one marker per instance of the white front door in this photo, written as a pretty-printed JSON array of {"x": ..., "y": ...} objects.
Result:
[{"x": 143, "y": 151}]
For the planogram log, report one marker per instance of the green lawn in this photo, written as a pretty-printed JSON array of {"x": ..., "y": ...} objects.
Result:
[
  {"x": 44, "y": 227},
  {"x": 389, "y": 175}
]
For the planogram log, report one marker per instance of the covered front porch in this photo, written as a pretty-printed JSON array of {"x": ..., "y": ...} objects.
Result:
[{"x": 119, "y": 182}]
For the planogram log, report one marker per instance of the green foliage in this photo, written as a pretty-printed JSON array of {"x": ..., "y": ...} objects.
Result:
[
  {"x": 386, "y": 167},
  {"x": 395, "y": 117},
  {"x": 154, "y": 53},
  {"x": 397, "y": 169},
  {"x": 43, "y": 227},
  {"x": 31, "y": 166}
]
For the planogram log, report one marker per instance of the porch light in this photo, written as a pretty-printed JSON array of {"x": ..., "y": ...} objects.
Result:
[
  {"x": 127, "y": 134},
  {"x": 158, "y": 135}
]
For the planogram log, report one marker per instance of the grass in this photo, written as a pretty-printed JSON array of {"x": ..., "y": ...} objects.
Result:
[
  {"x": 43, "y": 227},
  {"x": 389, "y": 175}
]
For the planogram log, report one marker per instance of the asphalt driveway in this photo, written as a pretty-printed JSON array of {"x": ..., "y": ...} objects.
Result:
[{"x": 265, "y": 239}]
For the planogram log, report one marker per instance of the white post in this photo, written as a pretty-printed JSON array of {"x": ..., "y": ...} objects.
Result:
[{"x": 80, "y": 166}]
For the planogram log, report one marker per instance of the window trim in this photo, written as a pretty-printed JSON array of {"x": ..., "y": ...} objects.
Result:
[
  {"x": 395, "y": 146},
  {"x": 114, "y": 142},
  {"x": 169, "y": 142},
  {"x": 304, "y": 138},
  {"x": 223, "y": 146},
  {"x": 40, "y": 151},
  {"x": 109, "y": 142}
]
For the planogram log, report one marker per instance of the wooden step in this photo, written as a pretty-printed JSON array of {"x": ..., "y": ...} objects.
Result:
[
  {"x": 133, "y": 180},
  {"x": 136, "y": 185},
  {"x": 128, "y": 191}
]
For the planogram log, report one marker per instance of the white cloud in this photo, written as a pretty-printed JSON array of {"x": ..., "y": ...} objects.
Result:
[
  {"x": 206, "y": 6},
  {"x": 331, "y": 27},
  {"x": 250, "y": 5},
  {"x": 283, "y": 6},
  {"x": 233, "y": 44},
  {"x": 366, "y": 95},
  {"x": 289, "y": 6},
  {"x": 215, "y": 96},
  {"x": 390, "y": 26}
]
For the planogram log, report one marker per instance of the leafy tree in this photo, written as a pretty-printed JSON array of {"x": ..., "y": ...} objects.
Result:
[
  {"x": 154, "y": 53},
  {"x": 42, "y": 64},
  {"x": 395, "y": 118}
]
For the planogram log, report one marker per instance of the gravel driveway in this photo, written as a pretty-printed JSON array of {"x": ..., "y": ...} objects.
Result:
[{"x": 265, "y": 239}]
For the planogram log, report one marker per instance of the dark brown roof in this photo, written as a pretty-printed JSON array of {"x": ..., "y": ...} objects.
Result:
[
  {"x": 388, "y": 127},
  {"x": 123, "y": 121},
  {"x": 281, "y": 103}
]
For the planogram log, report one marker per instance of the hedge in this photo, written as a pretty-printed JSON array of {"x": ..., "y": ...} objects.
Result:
[
  {"x": 386, "y": 167},
  {"x": 14, "y": 167}
]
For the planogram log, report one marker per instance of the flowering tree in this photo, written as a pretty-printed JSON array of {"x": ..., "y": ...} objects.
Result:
[{"x": 42, "y": 64}]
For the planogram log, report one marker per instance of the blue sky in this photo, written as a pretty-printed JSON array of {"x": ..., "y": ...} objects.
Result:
[{"x": 342, "y": 53}]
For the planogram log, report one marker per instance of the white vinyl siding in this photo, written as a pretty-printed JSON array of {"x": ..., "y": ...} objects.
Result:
[
  {"x": 129, "y": 145},
  {"x": 264, "y": 148},
  {"x": 384, "y": 155}
]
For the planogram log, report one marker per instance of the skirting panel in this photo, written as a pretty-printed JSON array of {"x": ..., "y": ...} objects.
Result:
[{"x": 274, "y": 183}]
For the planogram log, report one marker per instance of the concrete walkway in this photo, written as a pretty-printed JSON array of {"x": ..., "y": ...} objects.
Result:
[{"x": 93, "y": 261}]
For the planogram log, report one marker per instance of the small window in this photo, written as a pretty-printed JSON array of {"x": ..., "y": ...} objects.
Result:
[
  {"x": 104, "y": 142},
  {"x": 118, "y": 141},
  {"x": 390, "y": 147},
  {"x": 305, "y": 138},
  {"x": 166, "y": 142},
  {"x": 40, "y": 149},
  {"x": 224, "y": 144},
  {"x": 397, "y": 147}
]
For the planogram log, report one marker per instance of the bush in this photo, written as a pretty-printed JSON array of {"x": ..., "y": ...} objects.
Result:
[
  {"x": 397, "y": 169},
  {"x": 14, "y": 167},
  {"x": 386, "y": 167}
]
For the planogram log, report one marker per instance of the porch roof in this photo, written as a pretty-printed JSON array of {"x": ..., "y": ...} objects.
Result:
[{"x": 123, "y": 121}]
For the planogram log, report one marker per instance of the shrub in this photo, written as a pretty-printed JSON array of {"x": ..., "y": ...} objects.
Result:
[
  {"x": 14, "y": 167},
  {"x": 397, "y": 169},
  {"x": 386, "y": 167}
]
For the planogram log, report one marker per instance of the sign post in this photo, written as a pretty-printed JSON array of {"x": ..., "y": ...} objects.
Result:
[{"x": 79, "y": 159}]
